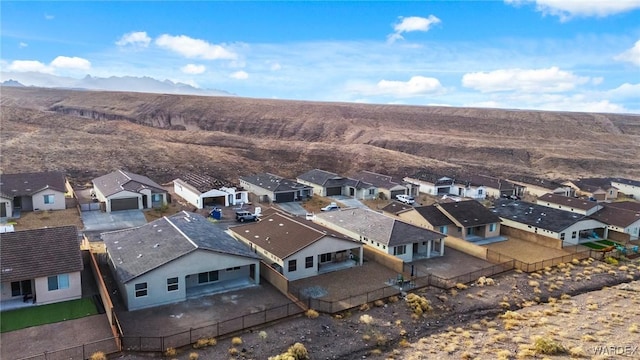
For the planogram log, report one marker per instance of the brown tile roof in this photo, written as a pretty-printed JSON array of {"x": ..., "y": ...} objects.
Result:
[
  {"x": 29, "y": 183},
  {"x": 626, "y": 205},
  {"x": 567, "y": 201},
  {"x": 469, "y": 213},
  {"x": 30, "y": 254},
  {"x": 433, "y": 215},
  {"x": 282, "y": 235},
  {"x": 616, "y": 216}
]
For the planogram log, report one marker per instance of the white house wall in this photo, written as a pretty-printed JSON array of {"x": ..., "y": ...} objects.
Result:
[
  {"x": 8, "y": 205},
  {"x": 580, "y": 226},
  {"x": 325, "y": 245},
  {"x": 58, "y": 200},
  {"x": 627, "y": 189},
  {"x": 190, "y": 264},
  {"x": 633, "y": 230},
  {"x": 44, "y": 296},
  {"x": 189, "y": 194}
]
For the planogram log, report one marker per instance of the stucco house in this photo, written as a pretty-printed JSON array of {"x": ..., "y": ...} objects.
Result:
[
  {"x": 622, "y": 219},
  {"x": 387, "y": 186},
  {"x": 202, "y": 190},
  {"x": 538, "y": 187},
  {"x": 473, "y": 221},
  {"x": 628, "y": 187},
  {"x": 599, "y": 189},
  {"x": 40, "y": 266},
  {"x": 496, "y": 187},
  {"x": 431, "y": 218},
  {"x": 438, "y": 185},
  {"x": 273, "y": 188},
  {"x": 384, "y": 233},
  {"x": 568, "y": 227},
  {"x": 175, "y": 258},
  {"x": 32, "y": 191},
  {"x": 566, "y": 203},
  {"x": 299, "y": 249},
  {"x": 122, "y": 190},
  {"x": 326, "y": 183}
]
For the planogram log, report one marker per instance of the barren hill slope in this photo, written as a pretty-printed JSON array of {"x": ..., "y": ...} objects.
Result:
[{"x": 88, "y": 133}]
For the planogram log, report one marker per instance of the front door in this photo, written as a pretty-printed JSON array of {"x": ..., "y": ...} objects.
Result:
[
  {"x": 415, "y": 248},
  {"x": 17, "y": 202}
]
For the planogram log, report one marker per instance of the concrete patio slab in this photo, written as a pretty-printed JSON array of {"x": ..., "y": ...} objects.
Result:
[{"x": 103, "y": 221}]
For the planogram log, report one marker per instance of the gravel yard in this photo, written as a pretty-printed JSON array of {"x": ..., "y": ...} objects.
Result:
[{"x": 525, "y": 251}]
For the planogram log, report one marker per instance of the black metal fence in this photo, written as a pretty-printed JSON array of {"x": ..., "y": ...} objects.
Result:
[
  {"x": 335, "y": 306},
  {"x": 80, "y": 352}
]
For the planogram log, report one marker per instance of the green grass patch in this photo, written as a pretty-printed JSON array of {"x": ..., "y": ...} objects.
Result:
[
  {"x": 46, "y": 314},
  {"x": 593, "y": 245},
  {"x": 607, "y": 242}
]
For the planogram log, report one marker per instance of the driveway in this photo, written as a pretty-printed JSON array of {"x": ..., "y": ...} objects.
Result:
[
  {"x": 349, "y": 201},
  {"x": 293, "y": 208},
  {"x": 103, "y": 221}
]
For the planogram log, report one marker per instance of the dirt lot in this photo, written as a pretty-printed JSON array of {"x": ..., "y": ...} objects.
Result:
[
  {"x": 525, "y": 251},
  {"x": 48, "y": 218},
  {"x": 394, "y": 331}
]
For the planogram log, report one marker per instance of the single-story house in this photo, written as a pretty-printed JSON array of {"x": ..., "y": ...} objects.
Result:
[
  {"x": 623, "y": 223},
  {"x": 627, "y": 186},
  {"x": 122, "y": 190},
  {"x": 395, "y": 208},
  {"x": 40, "y": 266},
  {"x": 32, "y": 191},
  {"x": 566, "y": 203},
  {"x": 387, "y": 186},
  {"x": 538, "y": 187},
  {"x": 203, "y": 190},
  {"x": 299, "y": 249},
  {"x": 496, "y": 187},
  {"x": 571, "y": 228},
  {"x": 273, "y": 188},
  {"x": 385, "y": 233},
  {"x": 431, "y": 218},
  {"x": 326, "y": 183},
  {"x": 438, "y": 185},
  {"x": 473, "y": 221},
  {"x": 175, "y": 258},
  {"x": 599, "y": 189}
]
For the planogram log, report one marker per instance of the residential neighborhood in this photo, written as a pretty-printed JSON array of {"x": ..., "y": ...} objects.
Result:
[{"x": 144, "y": 248}]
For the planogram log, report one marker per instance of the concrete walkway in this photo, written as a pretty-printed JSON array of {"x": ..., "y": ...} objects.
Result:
[
  {"x": 103, "y": 221},
  {"x": 293, "y": 208},
  {"x": 349, "y": 202}
]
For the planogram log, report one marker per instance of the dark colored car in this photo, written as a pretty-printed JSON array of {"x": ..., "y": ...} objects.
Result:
[{"x": 245, "y": 216}]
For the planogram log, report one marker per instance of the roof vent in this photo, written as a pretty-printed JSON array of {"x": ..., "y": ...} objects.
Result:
[
  {"x": 119, "y": 248},
  {"x": 256, "y": 236},
  {"x": 281, "y": 224},
  {"x": 139, "y": 256},
  {"x": 156, "y": 246}
]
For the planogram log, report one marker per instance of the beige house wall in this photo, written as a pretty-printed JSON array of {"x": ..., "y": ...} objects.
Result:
[{"x": 44, "y": 296}]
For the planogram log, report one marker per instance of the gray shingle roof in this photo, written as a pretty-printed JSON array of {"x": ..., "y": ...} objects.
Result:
[
  {"x": 274, "y": 183},
  {"x": 29, "y": 183},
  {"x": 377, "y": 180},
  {"x": 627, "y": 181},
  {"x": 567, "y": 201},
  {"x": 328, "y": 179},
  {"x": 469, "y": 213},
  {"x": 29, "y": 254},
  {"x": 539, "y": 216},
  {"x": 119, "y": 180},
  {"x": 137, "y": 251},
  {"x": 433, "y": 215},
  {"x": 432, "y": 178}
]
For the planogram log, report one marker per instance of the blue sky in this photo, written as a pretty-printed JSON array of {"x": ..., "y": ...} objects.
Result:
[{"x": 528, "y": 54}]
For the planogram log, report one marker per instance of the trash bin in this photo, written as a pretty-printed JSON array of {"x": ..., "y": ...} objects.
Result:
[{"x": 216, "y": 213}]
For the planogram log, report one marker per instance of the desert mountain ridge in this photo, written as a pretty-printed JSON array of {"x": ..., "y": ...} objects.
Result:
[{"x": 89, "y": 133}]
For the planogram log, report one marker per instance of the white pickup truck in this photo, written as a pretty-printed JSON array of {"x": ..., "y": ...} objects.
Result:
[{"x": 407, "y": 199}]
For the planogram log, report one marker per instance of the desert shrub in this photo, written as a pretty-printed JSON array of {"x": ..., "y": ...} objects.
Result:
[
  {"x": 366, "y": 337},
  {"x": 393, "y": 299},
  {"x": 461, "y": 286},
  {"x": 381, "y": 340},
  {"x": 200, "y": 343},
  {"x": 418, "y": 304},
  {"x": 376, "y": 352},
  {"x": 378, "y": 303},
  {"x": 547, "y": 346},
  {"x": 589, "y": 338},
  {"x": 592, "y": 306},
  {"x": 611, "y": 260},
  {"x": 236, "y": 341},
  {"x": 633, "y": 328},
  {"x": 534, "y": 283},
  {"x": 364, "y": 307},
  {"x": 453, "y": 292},
  {"x": 193, "y": 356},
  {"x": 312, "y": 314},
  {"x": 262, "y": 335},
  {"x": 366, "y": 319},
  {"x": 233, "y": 351},
  {"x": 170, "y": 352},
  {"x": 295, "y": 352},
  {"x": 404, "y": 343},
  {"x": 505, "y": 305},
  {"x": 99, "y": 355}
]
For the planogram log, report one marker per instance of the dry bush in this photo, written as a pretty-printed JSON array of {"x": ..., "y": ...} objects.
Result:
[
  {"x": 98, "y": 355},
  {"x": 588, "y": 338},
  {"x": 366, "y": 337},
  {"x": 373, "y": 352},
  {"x": 577, "y": 352},
  {"x": 404, "y": 343},
  {"x": 233, "y": 351},
  {"x": 364, "y": 307},
  {"x": 633, "y": 328},
  {"x": 418, "y": 304},
  {"x": 592, "y": 306},
  {"x": 534, "y": 283},
  {"x": 193, "y": 356},
  {"x": 262, "y": 335},
  {"x": 548, "y": 346},
  {"x": 366, "y": 319},
  {"x": 461, "y": 286},
  {"x": 170, "y": 352},
  {"x": 312, "y": 314},
  {"x": 381, "y": 340},
  {"x": 503, "y": 354},
  {"x": 378, "y": 303},
  {"x": 393, "y": 299},
  {"x": 453, "y": 292},
  {"x": 296, "y": 352},
  {"x": 236, "y": 341}
]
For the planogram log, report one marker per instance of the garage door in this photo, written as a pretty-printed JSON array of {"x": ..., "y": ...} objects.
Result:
[
  {"x": 396, "y": 192},
  {"x": 334, "y": 191},
  {"x": 285, "y": 197},
  {"x": 124, "y": 204}
]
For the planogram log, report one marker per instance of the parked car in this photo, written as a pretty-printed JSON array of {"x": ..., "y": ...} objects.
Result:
[
  {"x": 407, "y": 199},
  {"x": 331, "y": 207},
  {"x": 309, "y": 216},
  {"x": 245, "y": 216}
]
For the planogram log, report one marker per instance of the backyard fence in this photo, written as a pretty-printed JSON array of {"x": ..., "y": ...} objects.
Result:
[
  {"x": 80, "y": 352},
  {"x": 352, "y": 301}
]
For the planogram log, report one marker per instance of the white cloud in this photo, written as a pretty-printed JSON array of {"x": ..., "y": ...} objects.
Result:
[
  {"x": 29, "y": 65},
  {"x": 240, "y": 75},
  {"x": 49, "y": 17},
  {"x": 567, "y": 9},
  {"x": 275, "y": 66},
  {"x": 524, "y": 80},
  {"x": 416, "y": 86},
  {"x": 632, "y": 55},
  {"x": 626, "y": 91},
  {"x": 193, "y": 69},
  {"x": 74, "y": 63},
  {"x": 412, "y": 23},
  {"x": 135, "y": 38},
  {"x": 194, "y": 48},
  {"x": 22, "y": 45}
]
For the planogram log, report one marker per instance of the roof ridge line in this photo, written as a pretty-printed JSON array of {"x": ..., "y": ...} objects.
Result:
[{"x": 181, "y": 232}]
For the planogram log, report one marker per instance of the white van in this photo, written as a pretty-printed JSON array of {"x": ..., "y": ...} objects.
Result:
[{"x": 407, "y": 199}]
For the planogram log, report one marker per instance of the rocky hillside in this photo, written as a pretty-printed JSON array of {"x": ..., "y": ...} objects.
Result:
[{"x": 87, "y": 133}]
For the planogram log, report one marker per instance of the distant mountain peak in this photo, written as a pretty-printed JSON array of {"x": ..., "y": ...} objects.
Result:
[{"x": 12, "y": 82}]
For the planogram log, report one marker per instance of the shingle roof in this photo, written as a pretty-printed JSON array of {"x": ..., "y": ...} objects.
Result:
[
  {"x": 137, "y": 251},
  {"x": 29, "y": 183},
  {"x": 567, "y": 201},
  {"x": 616, "y": 216},
  {"x": 274, "y": 183},
  {"x": 627, "y": 181},
  {"x": 432, "y": 178},
  {"x": 29, "y": 254},
  {"x": 626, "y": 205},
  {"x": 380, "y": 228},
  {"x": 201, "y": 182},
  {"x": 469, "y": 213},
  {"x": 282, "y": 235},
  {"x": 119, "y": 180},
  {"x": 433, "y": 215},
  {"x": 539, "y": 216},
  {"x": 329, "y": 179},
  {"x": 534, "y": 181},
  {"x": 396, "y": 207},
  {"x": 489, "y": 181},
  {"x": 377, "y": 180}
]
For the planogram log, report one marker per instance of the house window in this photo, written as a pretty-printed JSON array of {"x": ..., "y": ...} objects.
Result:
[
  {"x": 293, "y": 265},
  {"x": 372, "y": 191},
  {"x": 238, "y": 196},
  {"x": 19, "y": 288},
  {"x": 574, "y": 234},
  {"x": 49, "y": 199},
  {"x": 479, "y": 191},
  {"x": 207, "y": 277},
  {"x": 325, "y": 257},
  {"x": 492, "y": 227},
  {"x": 156, "y": 197},
  {"x": 141, "y": 289},
  {"x": 233, "y": 268},
  {"x": 308, "y": 262},
  {"x": 172, "y": 284},
  {"x": 469, "y": 231},
  {"x": 58, "y": 282},
  {"x": 443, "y": 229},
  {"x": 400, "y": 250}
]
